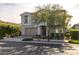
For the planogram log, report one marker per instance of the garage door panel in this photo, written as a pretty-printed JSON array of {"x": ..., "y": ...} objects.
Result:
[{"x": 30, "y": 31}]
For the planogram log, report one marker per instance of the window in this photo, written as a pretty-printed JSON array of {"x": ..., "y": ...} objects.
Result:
[{"x": 26, "y": 19}]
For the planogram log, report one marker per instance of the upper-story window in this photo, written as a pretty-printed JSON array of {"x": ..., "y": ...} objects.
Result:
[{"x": 26, "y": 19}]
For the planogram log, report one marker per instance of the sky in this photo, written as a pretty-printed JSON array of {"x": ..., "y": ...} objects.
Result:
[{"x": 10, "y": 12}]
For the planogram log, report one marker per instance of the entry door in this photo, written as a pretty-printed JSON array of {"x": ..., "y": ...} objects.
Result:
[{"x": 43, "y": 30}]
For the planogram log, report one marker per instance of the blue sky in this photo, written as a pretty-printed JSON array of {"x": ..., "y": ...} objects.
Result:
[{"x": 11, "y": 11}]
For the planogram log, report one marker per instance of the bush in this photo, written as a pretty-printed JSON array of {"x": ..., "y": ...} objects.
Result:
[
  {"x": 74, "y": 41},
  {"x": 67, "y": 34},
  {"x": 37, "y": 36},
  {"x": 57, "y": 36},
  {"x": 40, "y": 36},
  {"x": 74, "y": 34},
  {"x": 27, "y": 39},
  {"x": 9, "y": 29},
  {"x": 44, "y": 37},
  {"x": 1, "y": 38}
]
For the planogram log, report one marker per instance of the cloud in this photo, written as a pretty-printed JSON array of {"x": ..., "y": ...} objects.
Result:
[
  {"x": 8, "y": 12},
  {"x": 8, "y": 4},
  {"x": 11, "y": 11},
  {"x": 76, "y": 6}
]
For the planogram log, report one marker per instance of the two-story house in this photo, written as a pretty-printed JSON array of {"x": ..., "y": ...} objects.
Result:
[{"x": 29, "y": 28}]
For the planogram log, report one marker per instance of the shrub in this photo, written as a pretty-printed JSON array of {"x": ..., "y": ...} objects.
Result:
[
  {"x": 74, "y": 41},
  {"x": 57, "y": 36},
  {"x": 9, "y": 30},
  {"x": 67, "y": 34},
  {"x": 40, "y": 36},
  {"x": 27, "y": 39},
  {"x": 37, "y": 36},
  {"x": 74, "y": 34},
  {"x": 1, "y": 38}
]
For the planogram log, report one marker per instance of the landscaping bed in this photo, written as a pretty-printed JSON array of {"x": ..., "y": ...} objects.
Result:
[
  {"x": 74, "y": 41},
  {"x": 27, "y": 39}
]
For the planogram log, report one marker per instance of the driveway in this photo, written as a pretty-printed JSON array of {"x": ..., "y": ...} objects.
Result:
[
  {"x": 73, "y": 49},
  {"x": 14, "y": 46},
  {"x": 22, "y": 48}
]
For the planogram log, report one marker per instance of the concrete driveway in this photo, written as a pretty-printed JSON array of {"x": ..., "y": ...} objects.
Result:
[
  {"x": 22, "y": 48},
  {"x": 73, "y": 49},
  {"x": 14, "y": 46}
]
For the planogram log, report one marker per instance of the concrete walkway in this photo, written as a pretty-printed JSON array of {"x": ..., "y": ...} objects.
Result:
[
  {"x": 73, "y": 49},
  {"x": 12, "y": 39},
  {"x": 21, "y": 38}
]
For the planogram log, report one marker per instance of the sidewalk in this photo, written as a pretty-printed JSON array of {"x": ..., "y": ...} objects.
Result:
[
  {"x": 72, "y": 50},
  {"x": 12, "y": 39}
]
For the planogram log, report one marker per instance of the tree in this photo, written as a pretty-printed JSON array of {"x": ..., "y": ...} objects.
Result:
[{"x": 54, "y": 17}]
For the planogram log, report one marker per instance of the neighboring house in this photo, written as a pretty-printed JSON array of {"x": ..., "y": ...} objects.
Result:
[
  {"x": 30, "y": 29},
  {"x": 75, "y": 31},
  {"x": 76, "y": 26}
]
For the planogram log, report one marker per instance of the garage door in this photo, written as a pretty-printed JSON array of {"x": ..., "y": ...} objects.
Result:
[{"x": 30, "y": 31}]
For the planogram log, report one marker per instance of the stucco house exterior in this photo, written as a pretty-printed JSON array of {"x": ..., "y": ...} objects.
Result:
[
  {"x": 31, "y": 29},
  {"x": 76, "y": 26}
]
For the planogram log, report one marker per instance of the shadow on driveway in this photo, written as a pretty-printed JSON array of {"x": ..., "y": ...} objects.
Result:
[{"x": 23, "y": 48}]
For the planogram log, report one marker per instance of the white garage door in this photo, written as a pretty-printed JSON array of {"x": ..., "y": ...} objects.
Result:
[{"x": 30, "y": 31}]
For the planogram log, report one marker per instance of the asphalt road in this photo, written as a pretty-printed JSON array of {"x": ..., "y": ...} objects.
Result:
[
  {"x": 29, "y": 48},
  {"x": 37, "y": 43}
]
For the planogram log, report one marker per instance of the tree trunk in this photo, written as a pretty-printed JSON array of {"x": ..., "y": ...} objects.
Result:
[{"x": 48, "y": 36}]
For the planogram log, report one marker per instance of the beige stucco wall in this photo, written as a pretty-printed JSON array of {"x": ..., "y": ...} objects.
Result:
[
  {"x": 30, "y": 24},
  {"x": 30, "y": 31}
]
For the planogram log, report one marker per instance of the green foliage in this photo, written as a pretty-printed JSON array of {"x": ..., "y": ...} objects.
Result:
[
  {"x": 51, "y": 15},
  {"x": 74, "y": 41},
  {"x": 9, "y": 29},
  {"x": 74, "y": 34},
  {"x": 67, "y": 35},
  {"x": 74, "y": 29},
  {"x": 54, "y": 17}
]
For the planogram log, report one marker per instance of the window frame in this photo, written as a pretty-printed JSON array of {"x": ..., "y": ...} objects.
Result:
[{"x": 26, "y": 19}]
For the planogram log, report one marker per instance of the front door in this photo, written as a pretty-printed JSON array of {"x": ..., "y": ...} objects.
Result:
[{"x": 43, "y": 30}]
